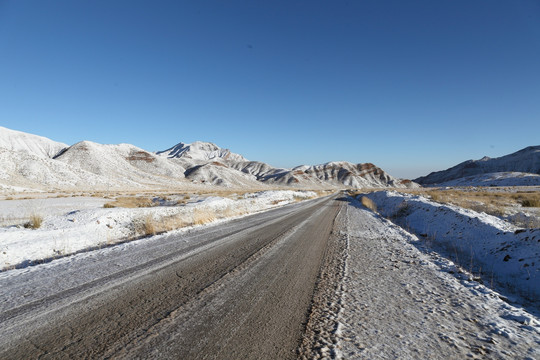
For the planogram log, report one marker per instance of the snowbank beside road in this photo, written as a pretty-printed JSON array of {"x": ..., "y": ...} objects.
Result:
[
  {"x": 83, "y": 227},
  {"x": 401, "y": 303},
  {"x": 502, "y": 253}
]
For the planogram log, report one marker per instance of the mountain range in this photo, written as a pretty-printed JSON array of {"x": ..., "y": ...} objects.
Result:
[
  {"x": 31, "y": 162},
  {"x": 517, "y": 165}
]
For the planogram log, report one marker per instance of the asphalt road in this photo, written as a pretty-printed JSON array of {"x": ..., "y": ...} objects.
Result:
[{"x": 240, "y": 290}]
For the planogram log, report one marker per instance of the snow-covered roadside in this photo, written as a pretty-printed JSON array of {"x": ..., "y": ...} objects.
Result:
[
  {"x": 90, "y": 227},
  {"x": 503, "y": 254},
  {"x": 399, "y": 302}
]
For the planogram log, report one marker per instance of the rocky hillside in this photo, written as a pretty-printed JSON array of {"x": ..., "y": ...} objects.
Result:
[
  {"x": 333, "y": 173},
  {"x": 524, "y": 161}
]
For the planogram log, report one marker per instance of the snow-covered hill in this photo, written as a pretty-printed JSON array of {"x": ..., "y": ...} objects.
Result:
[
  {"x": 337, "y": 174},
  {"x": 216, "y": 173},
  {"x": 124, "y": 163},
  {"x": 200, "y": 150},
  {"x": 22, "y": 171},
  {"x": 30, "y": 144},
  {"x": 496, "y": 179},
  {"x": 526, "y": 161},
  {"x": 36, "y": 163}
]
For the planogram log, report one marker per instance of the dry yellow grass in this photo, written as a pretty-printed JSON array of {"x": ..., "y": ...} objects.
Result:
[
  {"x": 230, "y": 212},
  {"x": 131, "y": 202},
  {"x": 173, "y": 222},
  {"x": 490, "y": 202},
  {"x": 367, "y": 202},
  {"x": 531, "y": 202},
  {"x": 167, "y": 223},
  {"x": 34, "y": 222},
  {"x": 203, "y": 216},
  {"x": 149, "y": 225}
]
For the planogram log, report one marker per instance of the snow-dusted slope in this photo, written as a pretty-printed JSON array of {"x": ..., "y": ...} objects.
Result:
[
  {"x": 496, "y": 179},
  {"x": 200, "y": 150},
  {"x": 258, "y": 169},
  {"x": 19, "y": 169},
  {"x": 31, "y": 144},
  {"x": 338, "y": 174},
  {"x": 124, "y": 163},
  {"x": 526, "y": 160},
  {"x": 500, "y": 251},
  {"x": 216, "y": 173},
  {"x": 355, "y": 175}
]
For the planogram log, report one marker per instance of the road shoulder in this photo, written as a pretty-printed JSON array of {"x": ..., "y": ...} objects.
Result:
[{"x": 395, "y": 301}]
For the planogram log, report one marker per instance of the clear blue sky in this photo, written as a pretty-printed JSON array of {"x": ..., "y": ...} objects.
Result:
[{"x": 412, "y": 86}]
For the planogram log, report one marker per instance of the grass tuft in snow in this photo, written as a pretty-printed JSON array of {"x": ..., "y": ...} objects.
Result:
[
  {"x": 367, "y": 202},
  {"x": 131, "y": 202},
  {"x": 149, "y": 225},
  {"x": 145, "y": 226},
  {"x": 173, "y": 222},
  {"x": 34, "y": 222},
  {"x": 203, "y": 216}
]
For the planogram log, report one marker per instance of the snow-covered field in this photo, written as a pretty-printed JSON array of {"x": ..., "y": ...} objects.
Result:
[
  {"x": 402, "y": 301},
  {"x": 502, "y": 254},
  {"x": 72, "y": 225}
]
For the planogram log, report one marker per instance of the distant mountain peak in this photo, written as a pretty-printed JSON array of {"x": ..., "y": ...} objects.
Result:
[
  {"x": 200, "y": 150},
  {"x": 526, "y": 160}
]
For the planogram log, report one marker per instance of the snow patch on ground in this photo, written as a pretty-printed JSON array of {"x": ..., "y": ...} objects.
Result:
[{"x": 73, "y": 225}]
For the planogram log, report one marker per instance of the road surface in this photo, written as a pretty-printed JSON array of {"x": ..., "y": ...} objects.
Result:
[
  {"x": 241, "y": 289},
  {"x": 324, "y": 278}
]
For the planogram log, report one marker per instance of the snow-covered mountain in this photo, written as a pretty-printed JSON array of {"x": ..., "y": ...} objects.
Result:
[
  {"x": 525, "y": 161},
  {"x": 216, "y": 173},
  {"x": 30, "y": 144},
  {"x": 335, "y": 174},
  {"x": 33, "y": 162},
  {"x": 128, "y": 163},
  {"x": 20, "y": 170},
  {"x": 200, "y": 150},
  {"x": 496, "y": 179}
]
